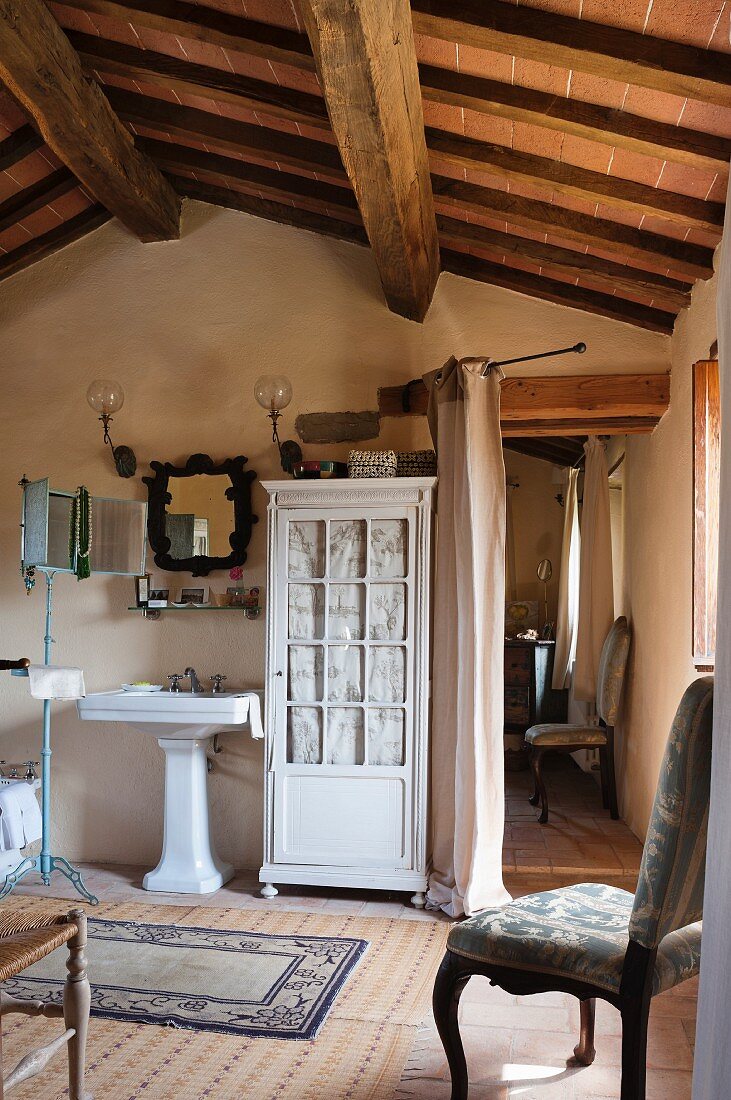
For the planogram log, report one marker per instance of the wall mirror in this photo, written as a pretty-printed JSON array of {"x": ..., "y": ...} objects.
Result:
[
  {"x": 118, "y": 531},
  {"x": 199, "y": 516}
]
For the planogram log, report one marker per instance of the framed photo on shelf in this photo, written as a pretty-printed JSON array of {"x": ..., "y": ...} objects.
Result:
[
  {"x": 142, "y": 589},
  {"x": 194, "y": 594}
]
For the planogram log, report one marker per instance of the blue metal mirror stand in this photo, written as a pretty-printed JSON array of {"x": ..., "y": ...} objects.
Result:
[{"x": 45, "y": 863}]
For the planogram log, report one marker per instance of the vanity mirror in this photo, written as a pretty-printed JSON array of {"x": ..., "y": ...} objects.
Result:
[{"x": 199, "y": 517}]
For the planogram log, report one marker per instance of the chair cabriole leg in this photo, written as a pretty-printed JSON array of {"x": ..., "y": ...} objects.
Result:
[
  {"x": 536, "y": 763},
  {"x": 450, "y": 982},
  {"x": 585, "y": 1052}
]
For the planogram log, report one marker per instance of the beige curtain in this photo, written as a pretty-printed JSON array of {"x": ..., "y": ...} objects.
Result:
[
  {"x": 511, "y": 588},
  {"x": 712, "y": 1071},
  {"x": 467, "y": 770},
  {"x": 568, "y": 586},
  {"x": 596, "y": 580}
]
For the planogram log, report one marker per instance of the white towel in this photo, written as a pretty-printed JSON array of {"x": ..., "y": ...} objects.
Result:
[
  {"x": 56, "y": 682},
  {"x": 255, "y": 727},
  {"x": 20, "y": 816}
]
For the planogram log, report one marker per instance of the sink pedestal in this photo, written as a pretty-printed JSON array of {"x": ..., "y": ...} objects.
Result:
[{"x": 188, "y": 864}]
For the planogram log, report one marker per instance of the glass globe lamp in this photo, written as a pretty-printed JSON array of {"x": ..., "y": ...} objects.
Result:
[
  {"x": 274, "y": 392},
  {"x": 106, "y": 397}
]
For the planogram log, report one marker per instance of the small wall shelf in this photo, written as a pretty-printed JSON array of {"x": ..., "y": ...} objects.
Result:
[{"x": 155, "y": 612}]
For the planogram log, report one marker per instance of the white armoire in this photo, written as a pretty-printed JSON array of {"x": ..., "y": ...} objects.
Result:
[{"x": 347, "y": 687}]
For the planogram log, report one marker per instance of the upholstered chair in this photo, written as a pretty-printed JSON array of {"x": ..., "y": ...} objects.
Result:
[
  {"x": 558, "y": 737},
  {"x": 25, "y": 939},
  {"x": 598, "y": 941}
]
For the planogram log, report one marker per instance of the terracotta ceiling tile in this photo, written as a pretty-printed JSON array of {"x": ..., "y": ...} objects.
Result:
[
  {"x": 654, "y": 266},
  {"x": 443, "y": 116},
  {"x": 529, "y": 190},
  {"x": 72, "y": 203},
  {"x": 615, "y": 214},
  {"x": 8, "y": 186},
  {"x": 654, "y": 224},
  {"x": 258, "y": 67},
  {"x": 433, "y": 51},
  {"x": 70, "y": 19},
  {"x": 488, "y": 128},
  {"x": 283, "y": 125},
  {"x": 41, "y": 221},
  {"x": 485, "y": 179},
  {"x": 117, "y": 81},
  {"x": 29, "y": 170},
  {"x": 630, "y": 14},
  {"x": 444, "y": 168},
  {"x": 585, "y": 153},
  {"x": 536, "y": 74},
  {"x": 596, "y": 89},
  {"x": 571, "y": 8},
  {"x": 633, "y": 166},
  {"x": 687, "y": 181},
  {"x": 205, "y": 103},
  {"x": 719, "y": 190},
  {"x": 202, "y": 53},
  {"x": 691, "y": 21},
  {"x": 537, "y": 140},
  {"x": 283, "y": 13},
  {"x": 702, "y": 237},
  {"x": 720, "y": 39},
  {"x": 117, "y": 29},
  {"x": 652, "y": 104},
  {"x": 707, "y": 117},
  {"x": 496, "y": 66},
  {"x": 572, "y": 202},
  {"x": 14, "y": 237},
  {"x": 288, "y": 77}
]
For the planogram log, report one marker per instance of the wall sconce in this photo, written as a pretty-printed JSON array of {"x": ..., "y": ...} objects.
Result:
[
  {"x": 274, "y": 392},
  {"x": 107, "y": 397}
]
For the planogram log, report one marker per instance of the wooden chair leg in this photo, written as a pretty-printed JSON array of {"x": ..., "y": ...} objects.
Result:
[
  {"x": 585, "y": 1053},
  {"x": 604, "y": 775},
  {"x": 450, "y": 981},
  {"x": 611, "y": 776},
  {"x": 536, "y": 763},
  {"x": 76, "y": 1006},
  {"x": 536, "y": 796},
  {"x": 635, "y": 1016}
]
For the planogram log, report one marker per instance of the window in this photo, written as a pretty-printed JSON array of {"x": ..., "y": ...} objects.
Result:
[{"x": 706, "y": 467}]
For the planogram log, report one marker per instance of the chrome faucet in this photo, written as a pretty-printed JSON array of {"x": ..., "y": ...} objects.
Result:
[{"x": 195, "y": 685}]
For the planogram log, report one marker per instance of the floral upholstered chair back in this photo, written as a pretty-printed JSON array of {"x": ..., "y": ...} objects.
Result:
[
  {"x": 670, "y": 887},
  {"x": 612, "y": 667}
]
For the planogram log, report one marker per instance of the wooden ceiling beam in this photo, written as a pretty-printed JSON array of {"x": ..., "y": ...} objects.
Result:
[
  {"x": 567, "y": 179},
  {"x": 554, "y": 401},
  {"x": 21, "y": 143},
  {"x": 104, "y": 56},
  {"x": 366, "y": 62},
  {"x": 41, "y": 70},
  {"x": 609, "y": 276},
  {"x": 204, "y": 24},
  {"x": 609, "y": 52},
  {"x": 552, "y": 290},
  {"x": 227, "y": 133},
  {"x": 611, "y": 425},
  {"x": 273, "y": 211},
  {"x": 47, "y": 243},
  {"x": 566, "y": 453},
  {"x": 688, "y": 260},
  {"x": 571, "y": 116},
  {"x": 39, "y": 194},
  {"x": 269, "y": 182}
]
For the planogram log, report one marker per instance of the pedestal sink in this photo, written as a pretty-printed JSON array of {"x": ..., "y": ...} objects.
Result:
[{"x": 182, "y": 724}]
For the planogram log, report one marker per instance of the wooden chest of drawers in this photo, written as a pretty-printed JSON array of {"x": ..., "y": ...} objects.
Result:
[{"x": 528, "y": 695}]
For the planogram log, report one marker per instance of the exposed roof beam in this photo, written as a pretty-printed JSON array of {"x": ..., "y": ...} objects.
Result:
[
  {"x": 21, "y": 143},
  {"x": 204, "y": 24},
  {"x": 39, "y": 194},
  {"x": 38, "y": 247},
  {"x": 269, "y": 182},
  {"x": 565, "y": 452},
  {"x": 42, "y": 71},
  {"x": 227, "y": 133},
  {"x": 689, "y": 260},
  {"x": 611, "y": 425},
  {"x": 272, "y": 211},
  {"x": 571, "y": 116},
  {"x": 366, "y": 63},
  {"x": 567, "y": 179},
  {"x": 589, "y": 398},
  {"x": 104, "y": 56},
  {"x": 552, "y": 39},
  {"x": 552, "y": 290},
  {"x": 612, "y": 277}
]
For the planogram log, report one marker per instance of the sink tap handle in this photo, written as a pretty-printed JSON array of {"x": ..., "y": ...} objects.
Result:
[
  {"x": 217, "y": 681},
  {"x": 30, "y": 766},
  {"x": 175, "y": 682}
]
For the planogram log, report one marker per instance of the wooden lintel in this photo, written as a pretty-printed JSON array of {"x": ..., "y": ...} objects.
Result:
[
  {"x": 561, "y": 405},
  {"x": 42, "y": 71},
  {"x": 366, "y": 62}
]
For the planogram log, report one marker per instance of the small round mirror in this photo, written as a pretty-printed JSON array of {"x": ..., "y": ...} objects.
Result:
[{"x": 544, "y": 571}]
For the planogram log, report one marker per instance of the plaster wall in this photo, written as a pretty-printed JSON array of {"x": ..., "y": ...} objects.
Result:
[
  {"x": 187, "y": 327},
  {"x": 538, "y": 528}
]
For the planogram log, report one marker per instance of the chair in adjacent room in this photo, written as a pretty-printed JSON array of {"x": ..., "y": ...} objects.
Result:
[
  {"x": 593, "y": 940},
  {"x": 555, "y": 737},
  {"x": 25, "y": 939}
]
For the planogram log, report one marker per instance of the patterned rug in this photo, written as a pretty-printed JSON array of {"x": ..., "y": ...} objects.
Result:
[
  {"x": 359, "y": 1053},
  {"x": 238, "y": 983}
]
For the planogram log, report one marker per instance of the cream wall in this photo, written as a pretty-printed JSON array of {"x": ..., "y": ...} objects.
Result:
[
  {"x": 658, "y": 568},
  {"x": 186, "y": 327},
  {"x": 538, "y": 527}
]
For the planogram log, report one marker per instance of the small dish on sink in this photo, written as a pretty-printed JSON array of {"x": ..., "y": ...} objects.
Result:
[{"x": 147, "y": 687}]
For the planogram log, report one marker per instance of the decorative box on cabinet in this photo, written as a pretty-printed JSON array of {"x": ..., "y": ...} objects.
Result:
[{"x": 347, "y": 702}]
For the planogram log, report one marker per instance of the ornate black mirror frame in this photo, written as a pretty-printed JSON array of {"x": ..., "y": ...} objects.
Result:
[{"x": 239, "y": 492}]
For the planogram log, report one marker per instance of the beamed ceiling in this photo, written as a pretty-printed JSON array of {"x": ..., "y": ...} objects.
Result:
[{"x": 571, "y": 150}]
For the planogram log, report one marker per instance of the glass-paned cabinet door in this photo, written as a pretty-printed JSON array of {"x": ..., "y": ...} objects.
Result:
[{"x": 344, "y": 639}]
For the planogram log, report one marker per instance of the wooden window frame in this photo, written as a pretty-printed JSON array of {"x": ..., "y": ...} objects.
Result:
[{"x": 706, "y": 500}]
